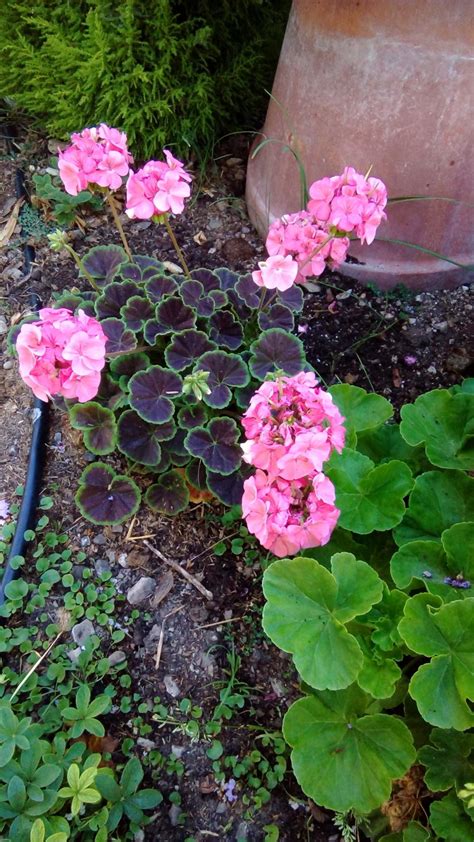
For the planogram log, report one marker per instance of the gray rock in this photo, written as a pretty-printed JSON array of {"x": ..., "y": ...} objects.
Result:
[
  {"x": 242, "y": 831},
  {"x": 77, "y": 571},
  {"x": 110, "y": 555},
  {"x": 3, "y": 325},
  {"x": 85, "y": 541},
  {"x": 8, "y": 364},
  {"x": 146, "y": 745},
  {"x": 174, "y": 814},
  {"x": 141, "y": 590},
  {"x": 81, "y": 632},
  {"x": 100, "y": 539},
  {"x": 152, "y": 638},
  {"x": 122, "y": 560},
  {"x": 178, "y": 751},
  {"x": 73, "y": 654},
  {"x": 171, "y": 687},
  {"x": 117, "y": 657},
  {"x": 101, "y": 566}
]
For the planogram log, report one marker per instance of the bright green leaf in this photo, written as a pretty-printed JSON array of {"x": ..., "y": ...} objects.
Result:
[
  {"x": 361, "y": 410},
  {"x": 438, "y": 501},
  {"x": 449, "y": 820},
  {"x": 447, "y": 760},
  {"x": 445, "y": 424}
]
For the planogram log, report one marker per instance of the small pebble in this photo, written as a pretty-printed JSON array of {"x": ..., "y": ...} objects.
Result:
[
  {"x": 85, "y": 541},
  {"x": 100, "y": 539},
  {"x": 117, "y": 657},
  {"x": 171, "y": 687},
  {"x": 8, "y": 364},
  {"x": 101, "y": 566},
  {"x": 141, "y": 590},
  {"x": 122, "y": 559},
  {"x": 146, "y": 745},
  {"x": 431, "y": 369},
  {"x": 73, "y": 654},
  {"x": 178, "y": 751},
  {"x": 174, "y": 814},
  {"x": 81, "y": 632}
]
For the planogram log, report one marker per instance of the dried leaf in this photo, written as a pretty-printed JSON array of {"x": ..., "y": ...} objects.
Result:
[
  {"x": 396, "y": 379},
  {"x": 351, "y": 378},
  {"x": 165, "y": 585},
  {"x": 172, "y": 267},
  {"x": 8, "y": 229},
  {"x": 200, "y": 238}
]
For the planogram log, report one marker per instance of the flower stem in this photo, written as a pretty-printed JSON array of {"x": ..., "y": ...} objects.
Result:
[
  {"x": 111, "y": 202},
  {"x": 176, "y": 245},
  {"x": 80, "y": 266}
]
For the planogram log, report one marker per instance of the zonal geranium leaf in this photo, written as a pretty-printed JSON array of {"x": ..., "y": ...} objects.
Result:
[
  {"x": 450, "y": 821},
  {"x": 102, "y": 261},
  {"x": 191, "y": 291},
  {"x": 379, "y": 675},
  {"x": 110, "y": 393},
  {"x": 249, "y": 292},
  {"x": 207, "y": 278},
  {"x": 458, "y": 543},
  {"x": 219, "y": 298},
  {"x": 441, "y": 567},
  {"x": 276, "y": 350},
  {"x": 128, "y": 272},
  {"x": 448, "y": 760},
  {"x": 443, "y": 633},
  {"x": 196, "y": 474},
  {"x": 152, "y": 393},
  {"x": 98, "y": 425},
  {"x": 292, "y": 298},
  {"x": 104, "y": 498},
  {"x": 157, "y": 288},
  {"x": 185, "y": 349},
  {"x": 423, "y": 561},
  {"x": 149, "y": 266},
  {"x": 228, "y": 489},
  {"x": 113, "y": 297},
  {"x": 243, "y": 396},
  {"x": 225, "y": 330},
  {"x": 227, "y": 278},
  {"x": 194, "y": 415},
  {"x": 170, "y": 495},
  {"x": 136, "y": 312},
  {"x": 151, "y": 331},
  {"x": 120, "y": 340},
  {"x": 225, "y": 371},
  {"x": 176, "y": 445},
  {"x": 307, "y": 609},
  {"x": 217, "y": 445},
  {"x": 276, "y": 316},
  {"x": 333, "y": 740},
  {"x": 69, "y": 302},
  {"x": 445, "y": 424},
  {"x": 438, "y": 501},
  {"x": 361, "y": 410},
  {"x": 129, "y": 364},
  {"x": 370, "y": 498},
  {"x": 173, "y": 315},
  {"x": 139, "y": 440},
  {"x": 384, "y": 443}
]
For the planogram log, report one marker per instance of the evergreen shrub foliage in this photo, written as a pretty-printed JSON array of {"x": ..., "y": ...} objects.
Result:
[{"x": 188, "y": 70}]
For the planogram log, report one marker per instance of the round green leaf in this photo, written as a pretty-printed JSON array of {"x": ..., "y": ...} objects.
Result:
[
  {"x": 441, "y": 687},
  {"x": 458, "y": 542},
  {"x": 307, "y": 607},
  {"x": 370, "y": 498},
  {"x": 447, "y": 759},
  {"x": 379, "y": 677},
  {"x": 361, "y": 410},
  {"x": 332, "y": 742},
  {"x": 445, "y": 424},
  {"x": 450, "y": 821},
  {"x": 438, "y": 501}
]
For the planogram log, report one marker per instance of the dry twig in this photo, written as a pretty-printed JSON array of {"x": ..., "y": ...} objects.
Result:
[{"x": 174, "y": 564}]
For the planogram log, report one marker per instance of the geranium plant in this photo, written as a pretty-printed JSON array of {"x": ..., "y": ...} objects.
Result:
[
  {"x": 179, "y": 356},
  {"x": 380, "y": 621}
]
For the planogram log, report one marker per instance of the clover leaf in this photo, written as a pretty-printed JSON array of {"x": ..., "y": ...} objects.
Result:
[
  {"x": 437, "y": 501},
  {"x": 169, "y": 495},
  {"x": 104, "y": 497},
  {"x": 225, "y": 371},
  {"x": 370, "y": 498},
  {"x": 307, "y": 609},
  {"x": 98, "y": 425},
  {"x": 152, "y": 393},
  {"x": 441, "y": 687},
  {"x": 333, "y": 740},
  {"x": 445, "y": 424}
]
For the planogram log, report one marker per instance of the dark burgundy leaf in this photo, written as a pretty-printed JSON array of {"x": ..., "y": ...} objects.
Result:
[
  {"x": 176, "y": 445},
  {"x": 276, "y": 350},
  {"x": 149, "y": 266},
  {"x": 219, "y": 298},
  {"x": 192, "y": 416},
  {"x": 114, "y": 296},
  {"x": 97, "y": 424},
  {"x": 243, "y": 396},
  {"x": 180, "y": 459},
  {"x": 276, "y": 316},
  {"x": 196, "y": 474},
  {"x": 228, "y": 489},
  {"x": 227, "y": 278},
  {"x": 225, "y": 371},
  {"x": 119, "y": 338},
  {"x": 109, "y": 392},
  {"x": 207, "y": 278},
  {"x": 169, "y": 495},
  {"x": 128, "y": 272},
  {"x": 172, "y": 315},
  {"x": 103, "y": 497},
  {"x": 160, "y": 286},
  {"x": 217, "y": 445},
  {"x": 129, "y": 364},
  {"x": 136, "y": 312},
  {"x": 152, "y": 392},
  {"x": 249, "y": 292},
  {"x": 69, "y": 301},
  {"x": 139, "y": 440},
  {"x": 191, "y": 292},
  {"x": 225, "y": 330},
  {"x": 292, "y": 298},
  {"x": 186, "y": 347},
  {"x": 151, "y": 330},
  {"x": 102, "y": 261},
  {"x": 238, "y": 306}
]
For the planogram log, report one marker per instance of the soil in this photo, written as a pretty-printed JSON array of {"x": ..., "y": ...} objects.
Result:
[{"x": 399, "y": 344}]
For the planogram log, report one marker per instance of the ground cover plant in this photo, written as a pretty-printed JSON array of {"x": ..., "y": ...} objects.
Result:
[{"x": 146, "y": 354}]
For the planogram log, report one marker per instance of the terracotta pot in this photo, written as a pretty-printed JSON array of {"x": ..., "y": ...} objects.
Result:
[{"x": 383, "y": 83}]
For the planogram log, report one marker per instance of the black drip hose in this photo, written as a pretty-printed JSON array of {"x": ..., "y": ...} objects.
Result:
[{"x": 40, "y": 413}]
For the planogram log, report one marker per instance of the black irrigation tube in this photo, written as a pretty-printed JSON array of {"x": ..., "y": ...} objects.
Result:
[{"x": 40, "y": 414}]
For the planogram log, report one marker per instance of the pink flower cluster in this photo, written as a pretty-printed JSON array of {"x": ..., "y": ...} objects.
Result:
[
  {"x": 62, "y": 354},
  {"x": 96, "y": 156},
  {"x": 301, "y": 245},
  {"x": 292, "y": 426},
  {"x": 157, "y": 188}
]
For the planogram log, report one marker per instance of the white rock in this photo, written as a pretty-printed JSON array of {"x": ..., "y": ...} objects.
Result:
[{"x": 141, "y": 590}]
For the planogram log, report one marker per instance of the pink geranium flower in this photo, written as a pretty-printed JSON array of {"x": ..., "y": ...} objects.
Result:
[
  {"x": 62, "y": 354},
  {"x": 276, "y": 272},
  {"x": 98, "y": 155},
  {"x": 157, "y": 188}
]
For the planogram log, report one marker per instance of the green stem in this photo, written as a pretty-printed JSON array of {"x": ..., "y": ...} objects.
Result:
[
  {"x": 80, "y": 266},
  {"x": 176, "y": 245},
  {"x": 111, "y": 202},
  {"x": 316, "y": 250}
]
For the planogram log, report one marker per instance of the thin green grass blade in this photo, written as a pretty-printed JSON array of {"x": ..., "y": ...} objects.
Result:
[{"x": 425, "y": 251}]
